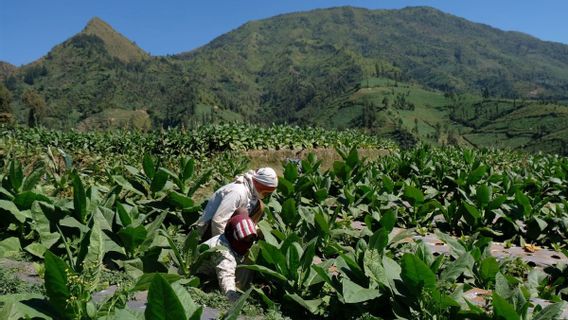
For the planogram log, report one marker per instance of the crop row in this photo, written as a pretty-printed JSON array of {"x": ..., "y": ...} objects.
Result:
[
  {"x": 311, "y": 262},
  {"x": 197, "y": 143}
]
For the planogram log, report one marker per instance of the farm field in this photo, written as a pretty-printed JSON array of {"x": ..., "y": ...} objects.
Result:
[{"x": 90, "y": 211}]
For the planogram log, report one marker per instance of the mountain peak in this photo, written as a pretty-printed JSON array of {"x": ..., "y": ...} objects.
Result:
[
  {"x": 116, "y": 44},
  {"x": 95, "y": 25}
]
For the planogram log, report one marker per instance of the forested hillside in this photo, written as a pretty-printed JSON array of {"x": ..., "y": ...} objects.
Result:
[{"x": 308, "y": 68}]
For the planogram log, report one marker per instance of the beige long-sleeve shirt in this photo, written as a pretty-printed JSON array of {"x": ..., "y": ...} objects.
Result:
[
  {"x": 223, "y": 263},
  {"x": 224, "y": 202}
]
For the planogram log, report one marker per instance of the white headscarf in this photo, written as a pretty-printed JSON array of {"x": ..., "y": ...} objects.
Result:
[{"x": 266, "y": 176}]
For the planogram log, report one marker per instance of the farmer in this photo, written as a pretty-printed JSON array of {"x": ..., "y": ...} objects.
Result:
[
  {"x": 246, "y": 191},
  {"x": 237, "y": 238}
]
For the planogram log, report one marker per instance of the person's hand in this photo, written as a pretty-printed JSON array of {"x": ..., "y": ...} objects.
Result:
[{"x": 233, "y": 296}]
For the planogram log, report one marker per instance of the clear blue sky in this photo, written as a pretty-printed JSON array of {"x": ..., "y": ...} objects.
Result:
[{"x": 30, "y": 28}]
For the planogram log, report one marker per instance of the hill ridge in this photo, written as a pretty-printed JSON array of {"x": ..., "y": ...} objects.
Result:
[
  {"x": 306, "y": 68},
  {"x": 116, "y": 44}
]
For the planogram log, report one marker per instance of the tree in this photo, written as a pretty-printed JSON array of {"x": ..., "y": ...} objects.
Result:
[
  {"x": 33, "y": 100},
  {"x": 5, "y": 101}
]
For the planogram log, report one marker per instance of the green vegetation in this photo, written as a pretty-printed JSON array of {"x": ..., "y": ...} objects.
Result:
[
  {"x": 96, "y": 208},
  {"x": 412, "y": 74},
  {"x": 131, "y": 223}
]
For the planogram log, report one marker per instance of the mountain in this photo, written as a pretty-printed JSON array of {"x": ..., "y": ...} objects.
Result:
[
  {"x": 99, "y": 70},
  {"x": 330, "y": 50},
  {"x": 115, "y": 44},
  {"x": 338, "y": 67}
]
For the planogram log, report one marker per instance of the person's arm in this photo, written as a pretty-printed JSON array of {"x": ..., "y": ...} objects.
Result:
[
  {"x": 257, "y": 212},
  {"x": 230, "y": 203}
]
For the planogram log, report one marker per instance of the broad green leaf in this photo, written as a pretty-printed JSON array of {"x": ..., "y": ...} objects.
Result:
[
  {"x": 321, "y": 194},
  {"x": 188, "y": 169},
  {"x": 502, "y": 310},
  {"x": 458, "y": 267},
  {"x": 10, "y": 207},
  {"x": 379, "y": 240},
  {"x": 354, "y": 293},
  {"x": 473, "y": 215},
  {"x": 524, "y": 201},
  {"x": 235, "y": 310},
  {"x": 163, "y": 303},
  {"x": 443, "y": 301},
  {"x": 353, "y": 157},
  {"x": 192, "y": 310},
  {"x": 266, "y": 230},
  {"x": 267, "y": 301},
  {"x": 308, "y": 255},
  {"x": 132, "y": 237},
  {"x": 488, "y": 269},
  {"x": 56, "y": 288},
  {"x": 148, "y": 166},
  {"x": 145, "y": 280},
  {"x": 16, "y": 175},
  {"x": 457, "y": 248},
  {"x": 388, "y": 184},
  {"x": 502, "y": 287},
  {"x": 265, "y": 270},
  {"x": 414, "y": 195},
  {"x": 152, "y": 230},
  {"x": 551, "y": 312},
  {"x": 322, "y": 222},
  {"x": 79, "y": 199},
  {"x": 5, "y": 194},
  {"x": 126, "y": 185},
  {"x": 354, "y": 271},
  {"x": 388, "y": 220},
  {"x": 159, "y": 181},
  {"x": 124, "y": 314},
  {"x": 289, "y": 212},
  {"x": 292, "y": 262},
  {"x": 32, "y": 179},
  {"x": 476, "y": 175},
  {"x": 200, "y": 181},
  {"x": 286, "y": 187},
  {"x": 10, "y": 247},
  {"x": 23, "y": 306},
  {"x": 291, "y": 172},
  {"x": 341, "y": 170},
  {"x": 497, "y": 202},
  {"x": 324, "y": 275},
  {"x": 96, "y": 249},
  {"x": 71, "y": 222},
  {"x": 372, "y": 263},
  {"x": 536, "y": 227},
  {"x": 416, "y": 274},
  {"x": 123, "y": 214},
  {"x": 25, "y": 199},
  {"x": 36, "y": 248},
  {"x": 179, "y": 200},
  {"x": 42, "y": 227},
  {"x": 392, "y": 272},
  {"x": 310, "y": 305},
  {"x": 483, "y": 194}
]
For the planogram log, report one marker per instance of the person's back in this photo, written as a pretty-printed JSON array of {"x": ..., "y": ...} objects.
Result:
[{"x": 225, "y": 200}]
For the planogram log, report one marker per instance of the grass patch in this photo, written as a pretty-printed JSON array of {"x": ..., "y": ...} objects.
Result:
[
  {"x": 216, "y": 300},
  {"x": 11, "y": 284}
]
